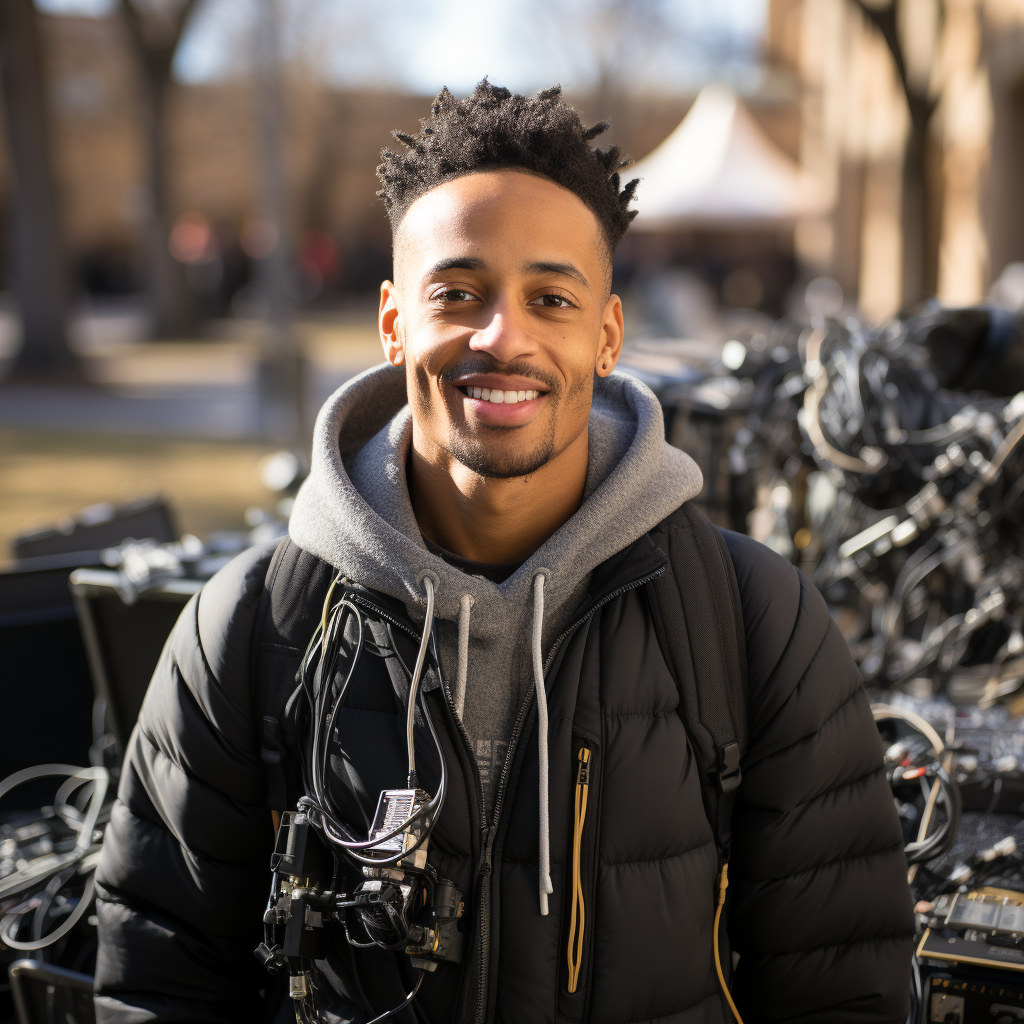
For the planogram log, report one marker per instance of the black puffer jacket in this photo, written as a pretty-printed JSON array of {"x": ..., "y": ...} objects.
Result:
[{"x": 819, "y": 907}]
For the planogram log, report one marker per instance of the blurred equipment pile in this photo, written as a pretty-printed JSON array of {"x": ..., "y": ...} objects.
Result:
[
  {"x": 119, "y": 571},
  {"x": 900, "y": 497},
  {"x": 889, "y": 465}
]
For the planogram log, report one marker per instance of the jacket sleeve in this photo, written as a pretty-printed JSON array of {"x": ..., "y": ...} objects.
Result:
[
  {"x": 183, "y": 876},
  {"x": 820, "y": 909}
]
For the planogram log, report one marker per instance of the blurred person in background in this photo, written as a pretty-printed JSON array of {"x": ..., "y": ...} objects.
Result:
[{"x": 498, "y": 475}]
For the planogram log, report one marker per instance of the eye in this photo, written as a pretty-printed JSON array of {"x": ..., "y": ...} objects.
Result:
[
  {"x": 454, "y": 295},
  {"x": 553, "y": 301}
]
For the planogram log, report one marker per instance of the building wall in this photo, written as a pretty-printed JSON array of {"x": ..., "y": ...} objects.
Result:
[
  {"x": 98, "y": 155},
  {"x": 854, "y": 126}
]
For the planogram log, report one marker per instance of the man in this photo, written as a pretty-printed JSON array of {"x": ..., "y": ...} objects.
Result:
[{"x": 498, "y": 482}]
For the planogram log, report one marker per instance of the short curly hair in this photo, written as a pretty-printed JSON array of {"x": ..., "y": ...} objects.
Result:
[{"x": 494, "y": 129}]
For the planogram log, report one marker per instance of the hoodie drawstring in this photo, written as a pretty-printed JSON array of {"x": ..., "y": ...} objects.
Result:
[
  {"x": 544, "y": 851},
  {"x": 414, "y": 684},
  {"x": 459, "y": 699},
  {"x": 463, "y": 668}
]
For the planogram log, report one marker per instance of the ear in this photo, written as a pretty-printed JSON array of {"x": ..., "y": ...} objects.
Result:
[
  {"x": 388, "y": 325},
  {"x": 612, "y": 329}
]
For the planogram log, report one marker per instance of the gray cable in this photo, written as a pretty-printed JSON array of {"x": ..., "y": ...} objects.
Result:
[
  {"x": 417, "y": 673},
  {"x": 544, "y": 851}
]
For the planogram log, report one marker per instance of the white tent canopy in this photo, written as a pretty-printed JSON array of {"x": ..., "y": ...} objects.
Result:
[{"x": 718, "y": 168}]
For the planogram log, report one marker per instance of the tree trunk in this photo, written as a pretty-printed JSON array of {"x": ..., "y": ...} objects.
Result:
[
  {"x": 155, "y": 42},
  {"x": 920, "y": 240},
  {"x": 171, "y": 305},
  {"x": 281, "y": 369},
  {"x": 914, "y": 205},
  {"x": 40, "y": 270}
]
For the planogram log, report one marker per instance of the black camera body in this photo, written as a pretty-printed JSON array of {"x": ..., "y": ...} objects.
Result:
[{"x": 402, "y": 907}]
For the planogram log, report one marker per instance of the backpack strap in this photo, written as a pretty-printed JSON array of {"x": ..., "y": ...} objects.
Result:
[
  {"x": 697, "y": 617},
  {"x": 290, "y": 605}
]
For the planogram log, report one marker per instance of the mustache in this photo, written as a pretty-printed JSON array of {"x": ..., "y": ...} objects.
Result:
[{"x": 488, "y": 364}]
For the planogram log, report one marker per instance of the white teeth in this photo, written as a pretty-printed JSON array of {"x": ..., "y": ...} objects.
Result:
[{"x": 500, "y": 397}]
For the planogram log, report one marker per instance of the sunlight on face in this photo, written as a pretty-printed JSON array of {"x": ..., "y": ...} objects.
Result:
[{"x": 503, "y": 316}]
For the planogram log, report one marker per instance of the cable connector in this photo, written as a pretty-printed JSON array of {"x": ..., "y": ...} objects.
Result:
[{"x": 723, "y": 884}]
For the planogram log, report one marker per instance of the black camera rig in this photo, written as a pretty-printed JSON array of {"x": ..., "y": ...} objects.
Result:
[
  {"x": 403, "y": 908},
  {"x": 327, "y": 882}
]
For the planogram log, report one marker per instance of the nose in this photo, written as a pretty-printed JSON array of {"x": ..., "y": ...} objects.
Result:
[{"x": 506, "y": 336}]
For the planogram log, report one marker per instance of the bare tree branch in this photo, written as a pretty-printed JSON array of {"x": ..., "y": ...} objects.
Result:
[
  {"x": 156, "y": 45},
  {"x": 885, "y": 20}
]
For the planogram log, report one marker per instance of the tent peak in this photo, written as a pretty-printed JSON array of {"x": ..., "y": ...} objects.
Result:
[{"x": 718, "y": 166}]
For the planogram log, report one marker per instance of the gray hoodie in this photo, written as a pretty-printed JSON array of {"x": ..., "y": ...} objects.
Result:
[{"x": 354, "y": 512}]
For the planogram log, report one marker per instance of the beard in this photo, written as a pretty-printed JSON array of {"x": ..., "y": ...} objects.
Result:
[{"x": 484, "y": 460}]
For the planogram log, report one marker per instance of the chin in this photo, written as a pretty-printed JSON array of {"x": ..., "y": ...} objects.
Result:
[{"x": 499, "y": 462}]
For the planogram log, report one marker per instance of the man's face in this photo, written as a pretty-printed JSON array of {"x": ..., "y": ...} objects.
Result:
[{"x": 500, "y": 292}]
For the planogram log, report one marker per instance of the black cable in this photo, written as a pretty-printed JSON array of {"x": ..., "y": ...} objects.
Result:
[
  {"x": 401, "y": 1006},
  {"x": 997, "y": 789},
  {"x": 322, "y": 738},
  {"x": 942, "y": 840},
  {"x": 317, "y": 802},
  {"x": 352, "y": 942},
  {"x": 916, "y": 993}
]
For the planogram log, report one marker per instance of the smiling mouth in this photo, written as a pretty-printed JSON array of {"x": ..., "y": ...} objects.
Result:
[{"x": 496, "y": 397}]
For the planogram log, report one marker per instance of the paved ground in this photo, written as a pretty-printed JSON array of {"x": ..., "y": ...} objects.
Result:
[
  {"x": 178, "y": 417},
  {"x": 201, "y": 389}
]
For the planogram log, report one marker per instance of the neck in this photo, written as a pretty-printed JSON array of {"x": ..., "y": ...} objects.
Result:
[{"x": 496, "y": 521}]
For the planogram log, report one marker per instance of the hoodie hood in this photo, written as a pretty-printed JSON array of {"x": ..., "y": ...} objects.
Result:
[{"x": 354, "y": 510}]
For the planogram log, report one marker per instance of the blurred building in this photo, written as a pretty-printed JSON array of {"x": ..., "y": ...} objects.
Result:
[
  {"x": 967, "y": 59},
  {"x": 333, "y": 142}
]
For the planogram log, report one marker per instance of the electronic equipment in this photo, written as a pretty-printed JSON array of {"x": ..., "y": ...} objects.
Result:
[
  {"x": 97, "y": 527},
  {"x": 123, "y": 642},
  {"x": 44, "y": 993},
  {"x": 37, "y": 615},
  {"x": 375, "y": 891},
  {"x": 403, "y": 907},
  {"x": 972, "y": 957},
  {"x": 47, "y": 720},
  {"x": 972, "y": 997}
]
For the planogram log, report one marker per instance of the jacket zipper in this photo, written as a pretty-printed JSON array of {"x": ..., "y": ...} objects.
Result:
[
  {"x": 486, "y": 832},
  {"x": 499, "y": 799},
  {"x": 574, "y": 953},
  {"x": 489, "y": 831}
]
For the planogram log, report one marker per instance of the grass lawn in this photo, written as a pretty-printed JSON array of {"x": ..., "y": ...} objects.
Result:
[{"x": 47, "y": 475}]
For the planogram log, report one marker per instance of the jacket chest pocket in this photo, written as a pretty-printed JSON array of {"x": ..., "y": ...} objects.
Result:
[{"x": 579, "y": 917}]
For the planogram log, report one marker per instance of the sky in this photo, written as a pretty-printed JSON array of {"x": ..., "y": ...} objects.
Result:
[{"x": 523, "y": 44}]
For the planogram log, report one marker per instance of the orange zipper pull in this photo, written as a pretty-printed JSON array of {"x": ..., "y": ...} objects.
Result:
[{"x": 575, "y": 950}]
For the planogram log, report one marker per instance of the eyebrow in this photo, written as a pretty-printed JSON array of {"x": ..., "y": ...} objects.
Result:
[
  {"x": 458, "y": 263},
  {"x": 565, "y": 269},
  {"x": 538, "y": 267}
]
